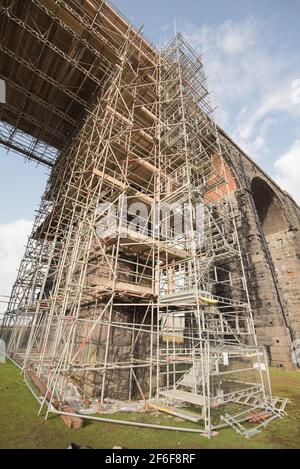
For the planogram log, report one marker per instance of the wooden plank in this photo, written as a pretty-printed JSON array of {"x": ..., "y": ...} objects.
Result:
[
  {"x": 119, "y": 115},
  {"x": 184, "y": 396},
  {"x": 115, "y": 182},
  {"x": 184, "y": 414},
  {"x": 41, "y": 384},
  {"x": 189, "y": 397},
  {"x": 69, "y": 420},
  {"x": 146, "y": 198},
  {"x": 124, "y": 287},
  {"x": 111, "y": 179}
]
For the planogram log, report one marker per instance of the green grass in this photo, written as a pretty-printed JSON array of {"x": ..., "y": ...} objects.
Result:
[{"x": 20, "y": 427}]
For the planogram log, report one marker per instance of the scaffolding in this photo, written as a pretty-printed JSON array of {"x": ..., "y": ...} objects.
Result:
[{"x": 132, "y": 288}]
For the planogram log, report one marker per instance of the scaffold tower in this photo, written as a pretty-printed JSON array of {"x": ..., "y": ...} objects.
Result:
[{"x": 132, "y": 291}]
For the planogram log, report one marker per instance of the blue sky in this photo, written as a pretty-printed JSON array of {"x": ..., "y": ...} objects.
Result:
[
  {"x": 250, "y": 51},
  {"x": 251, "y": 54}
]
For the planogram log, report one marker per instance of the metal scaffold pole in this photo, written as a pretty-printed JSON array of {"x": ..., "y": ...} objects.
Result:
[{"x": 132, "y": 291}]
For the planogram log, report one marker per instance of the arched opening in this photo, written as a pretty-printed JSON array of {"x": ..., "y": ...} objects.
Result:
[
  {"x": 273, "y": 310},
  {"x": 268, "y": 207}
]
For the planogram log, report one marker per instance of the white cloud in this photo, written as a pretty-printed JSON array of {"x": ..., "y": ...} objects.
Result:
[
  {"x": 233, "y": 38},
  {"x": 259, "y": 142},
  {"x": 287, "y": 170},
  {"x": 252, "y": 79},
  {"x": 279, "y": 100},
  {"x": 233, "y": 61},
  {"x": 296, "y": 91},
  {"x": 13, "y": 237}
]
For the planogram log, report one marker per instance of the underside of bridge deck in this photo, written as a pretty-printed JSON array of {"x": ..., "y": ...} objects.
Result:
[{"x": 55, "y": 57}]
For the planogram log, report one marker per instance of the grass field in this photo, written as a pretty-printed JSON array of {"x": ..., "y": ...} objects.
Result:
[{"x": 20, "y": 427}]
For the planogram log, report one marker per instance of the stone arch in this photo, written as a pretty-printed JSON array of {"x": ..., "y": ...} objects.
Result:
[{"x": 268, "y": 207}]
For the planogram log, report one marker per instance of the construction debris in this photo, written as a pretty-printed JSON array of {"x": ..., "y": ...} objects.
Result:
[
  {"x": 132, "y": 290},
  {"x": 41, "y": 384}
]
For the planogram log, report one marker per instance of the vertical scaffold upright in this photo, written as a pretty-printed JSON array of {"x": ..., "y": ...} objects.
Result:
[{"x": 132, "y": 287}]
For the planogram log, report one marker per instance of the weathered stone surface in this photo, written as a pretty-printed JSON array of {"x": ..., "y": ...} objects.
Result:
[{"x": 269, "y": 231}]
